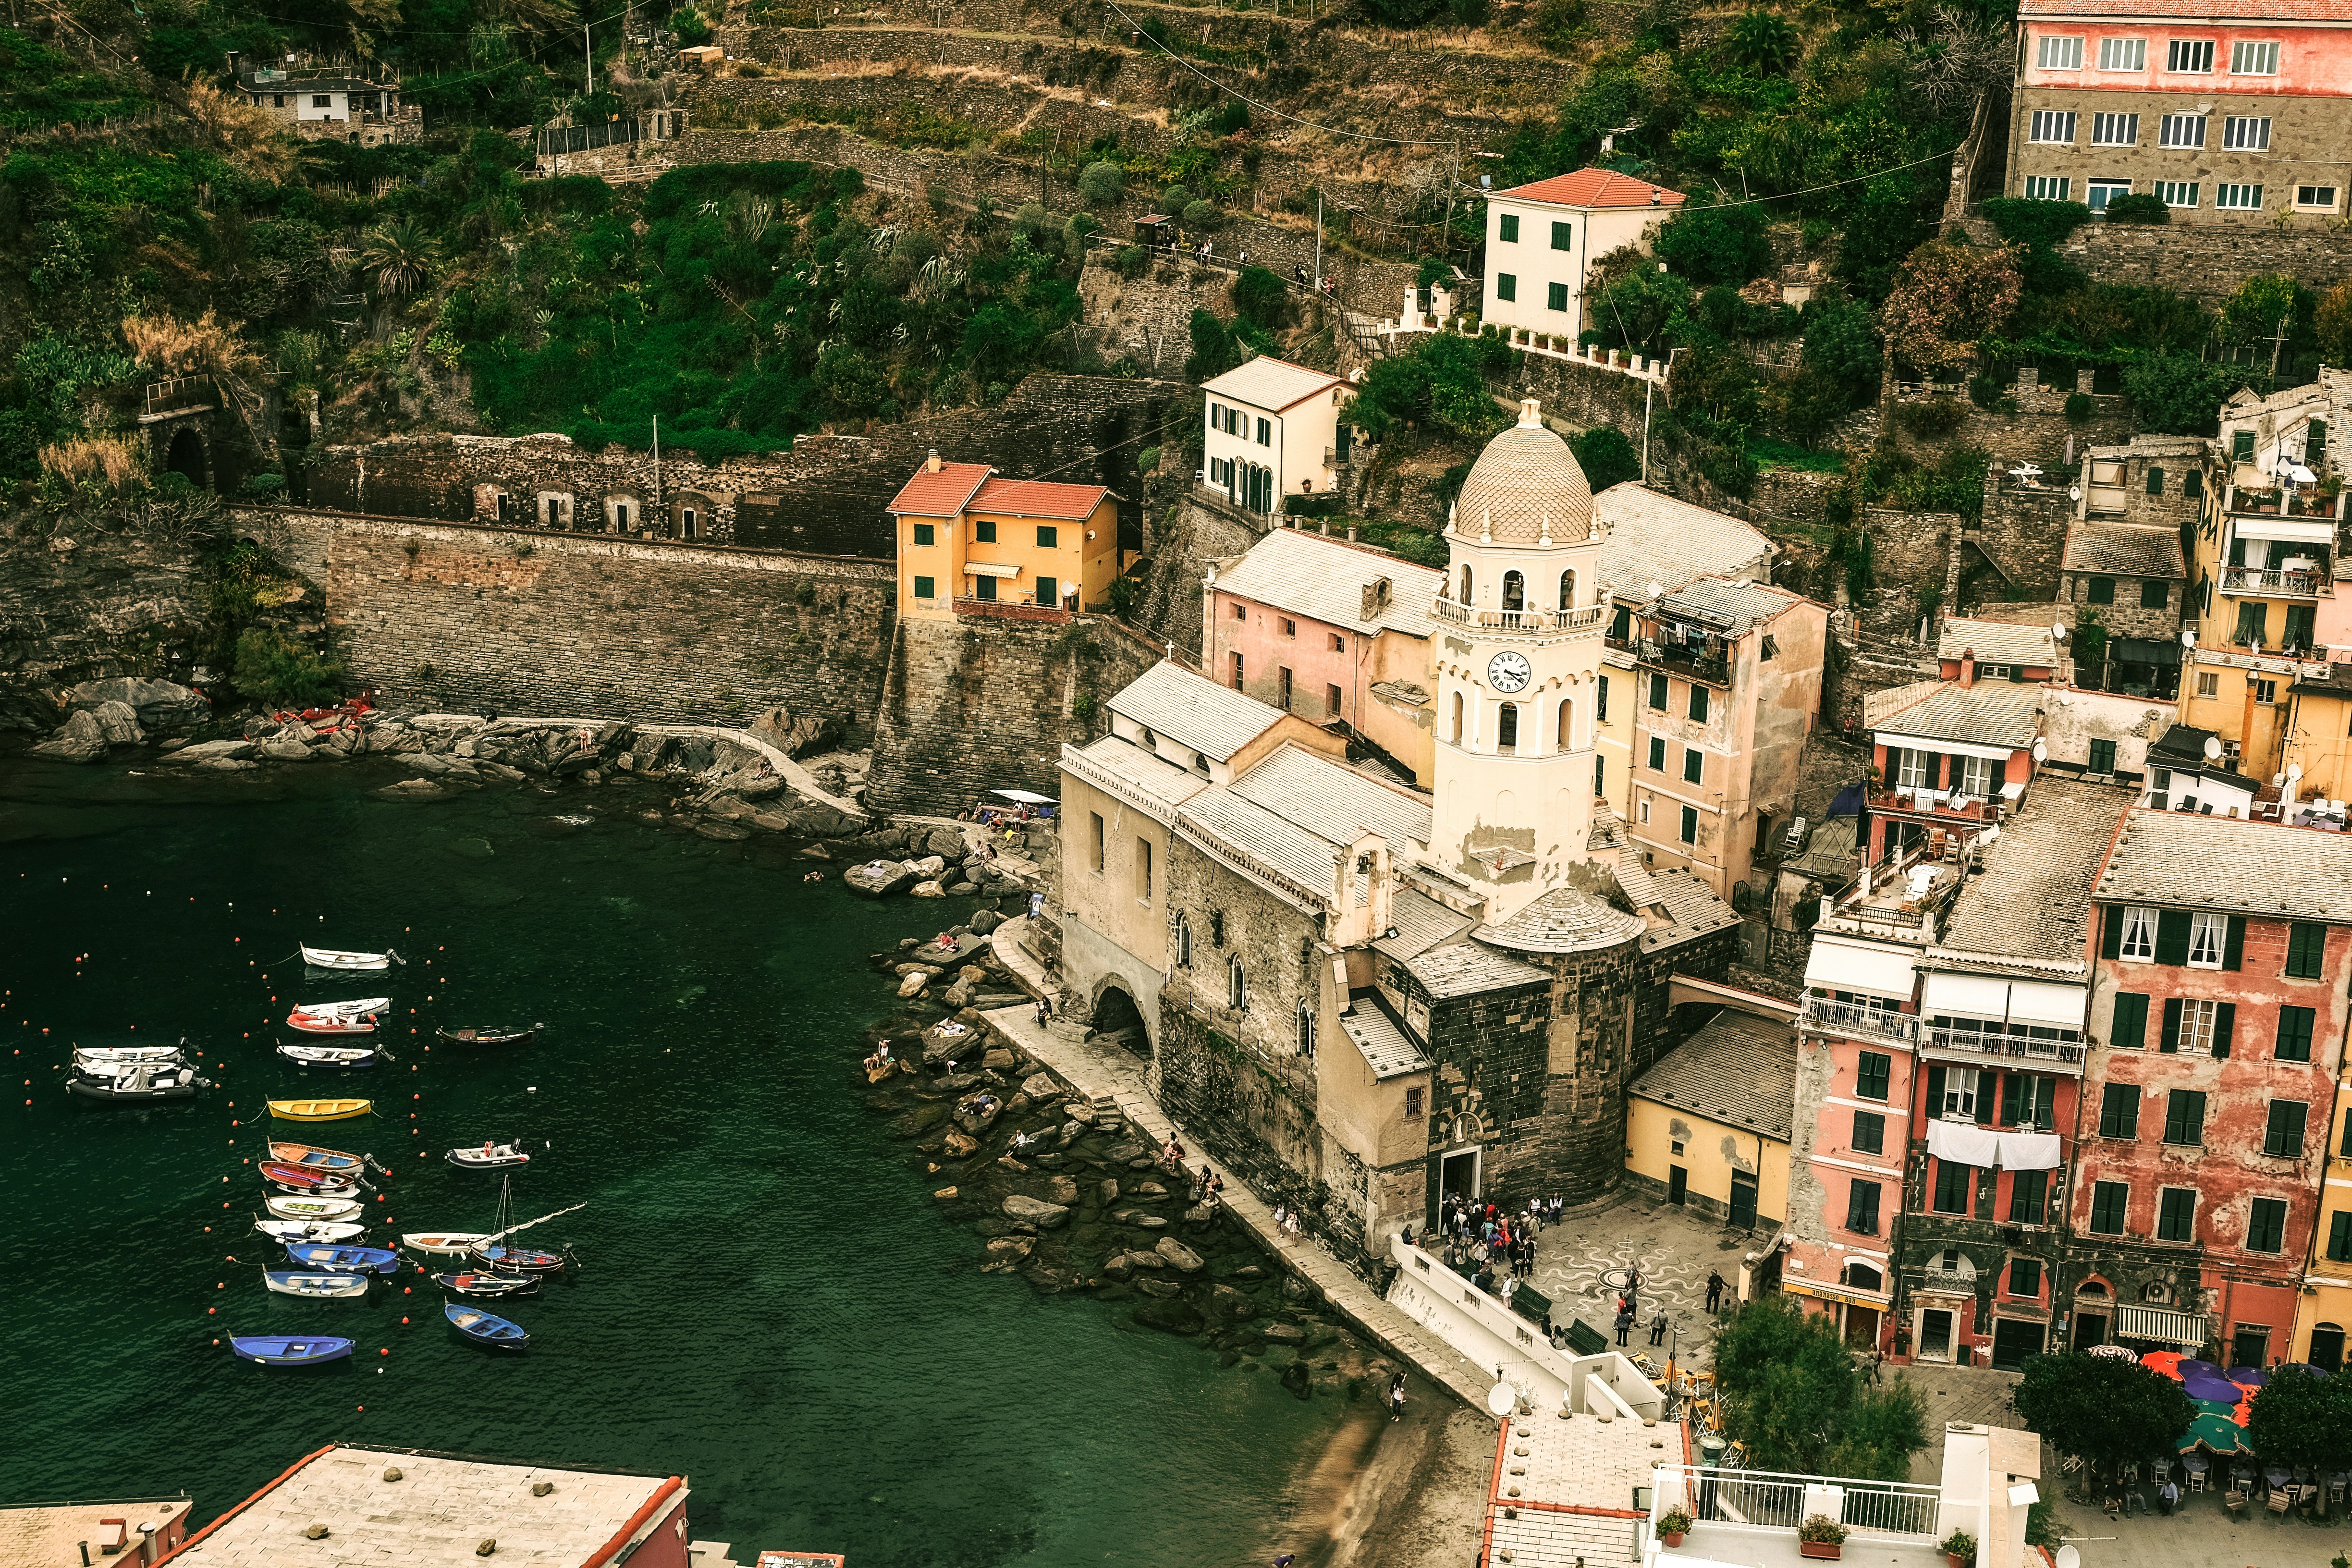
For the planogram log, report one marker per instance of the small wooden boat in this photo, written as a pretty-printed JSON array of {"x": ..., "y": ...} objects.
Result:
[
  {"x": 489, "y": 1287},
  {"x": 351, "y": 1057},
  {"x": 483, "y": 1329},
  {"x": 311, "y": 1023},
  {"x": 328, "y": 1230},
  {"x": 497, "y": 1036},
  {"x": 452, "y": 1243},
  {"x": 294, "y": 1282},
  {"x": 341, "y": 958},
  {"x": 508, "y": 1259},
  {"x": 327, "y": 1209},
  {"x": 311, "y": 1157},
  {"x": 319, "y": 1109},
  {"x": 288, "y": 1350},
  {"x": 364, "y": 1007},
  {"x": 136, "y": 1082},
  {"x": 344, "y": 1260},
  {"x": 313, "y": 1184},
  {"x": 489, "y": 1157}
]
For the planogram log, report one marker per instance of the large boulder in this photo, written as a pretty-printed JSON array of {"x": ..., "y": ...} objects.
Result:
[
  {"x": 1168, "y": 1317},
  {"x": 120, "y": 723},
  {"x": 946, "y": 842},
  {"x": 912, "y": 985},
  {"x": 284, "y": 751},
  {"x": 209, "y": 750},
  {"x": 80, "y": 738},
  {"x": 160, "y": 706},
  {"x": 1180, "y": 1257},
  {"x": 822, "y": 821},
  {"x": 1036, "y": 1210},
  {"x": 796, "y": 734},
  {"x": 877, "y": 879},
  {"x": 985, "y": 922}
]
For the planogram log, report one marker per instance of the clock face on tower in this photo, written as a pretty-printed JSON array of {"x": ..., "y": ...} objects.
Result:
[{"x": 1507, "y": 671}]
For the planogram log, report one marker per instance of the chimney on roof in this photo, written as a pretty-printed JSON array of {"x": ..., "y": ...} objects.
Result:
[
  {"x": 1530, "y": 417},
  {"x": 931, "y": 463},
  {"x": 1967, "y": 668},
  {"x": 1375, "y": 599}
]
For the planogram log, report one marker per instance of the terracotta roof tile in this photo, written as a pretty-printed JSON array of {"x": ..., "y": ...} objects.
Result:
[
  {"x": 1038, "y": 498},
  {"x": 942, "y": 494},
  {"x": 1595, "y": 188}
]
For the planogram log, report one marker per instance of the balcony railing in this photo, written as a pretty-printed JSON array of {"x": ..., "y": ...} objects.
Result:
[
  {"x": 2005, "y": 1046},
  {"x": 1937, "y": 802},
  {"x": 1901, "y": 1511},
  {"x": 1590, "y": 618},
  {"x": 1826, "y": 1016},
  {"x": 1713, "y": 668},
  {"x": 1011, "y": 610},
  {"x": 2281, "y": 585},
  {"x": 2293, "y": 503}
]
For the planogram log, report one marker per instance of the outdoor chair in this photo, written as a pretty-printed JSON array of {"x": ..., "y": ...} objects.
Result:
[
  {"x": 2235, "y": 1502},
  {"x": 2280, "y": 1499},
  {"x": 2196, "y": 1481}
]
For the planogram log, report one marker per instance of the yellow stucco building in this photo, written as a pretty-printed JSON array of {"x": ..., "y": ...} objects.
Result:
[
  {"x": 1709, "y": 1127},
  {"x": 969, "y": 542}
]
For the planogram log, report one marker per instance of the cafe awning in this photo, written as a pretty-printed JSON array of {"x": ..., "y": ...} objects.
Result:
[
  {"x": 2187, "y": 1329},
  {"x": 1023, "y": 797},
  {"x": 1836, "y": 964},
  {"x": 989, "y": 569}
]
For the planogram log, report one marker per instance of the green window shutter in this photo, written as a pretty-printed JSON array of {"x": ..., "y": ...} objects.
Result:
[
  {"x": 2171, "y": 1037},
  {"x": 1507, "y": 284},
  {"x": 2155, "y": 481},
  {"x": 2101, "y": 591},
  {"x": 2129, "y": 1031},
  {"x": 2013, "y": 1091},
  {"x": 1935, "y": 770},
  {"x": 2306, "y": 950},
  {"x": 2237, "y": 553},
  {"x": 2339, "y": 1236},
  {"x": 1554, "y": 296},
  {"x": 1935, "y": 1092},
  {"x": 2111, "y": 930},
  {"x": 2193, "y": 484},
  {"x": 1561, "y": 234},
  {"x": 1509, "y": 225},
  {"x": 2172, "y": 937},
  {"x": 2242, "y": 446},
  {"x": 2225, "y": 1027},
  {"x": 1699, "y": 703},
  {"x": 2294, "y": 1032},
  {"x": 2233, "y": 946}
]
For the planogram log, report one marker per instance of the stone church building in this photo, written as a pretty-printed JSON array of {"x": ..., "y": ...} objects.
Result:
[{"x": 1363, "y": 997}]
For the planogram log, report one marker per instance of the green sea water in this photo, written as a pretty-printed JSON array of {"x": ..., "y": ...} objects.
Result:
[{"x": 766, "y": 1300}]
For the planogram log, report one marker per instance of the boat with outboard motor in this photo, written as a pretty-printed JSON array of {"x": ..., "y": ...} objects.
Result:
[
  {"x": 329, "y": 1230},
  {"x": 346, "y": 1259},
  {"x": 344, "y": 958},
  {"x": 341, "y": 1057},
  {"x": 288, "y": 1350},
  {"x": 324, "y": 1286},
  {"x": 136, "y": 1083}
]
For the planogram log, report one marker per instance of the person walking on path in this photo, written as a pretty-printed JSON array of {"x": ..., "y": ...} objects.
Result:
[
  {"x": 1658, "y": 1328},
  {"x": 1625, "y": 1323},
  {"x": 1396, "y": 1396},
  {"x": 1714, "y": 1291}
]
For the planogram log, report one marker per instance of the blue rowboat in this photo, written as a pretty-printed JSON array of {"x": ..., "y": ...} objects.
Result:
[
  {"x": 347, "y": 1260},
  {"x": 287, "y": 1349},
  {"x": 295, "y": 1282},
  {"x": 484, "y": 1328}
]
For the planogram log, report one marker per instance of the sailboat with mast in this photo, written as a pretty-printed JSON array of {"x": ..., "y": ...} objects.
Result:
[{"x": 497, "y": 1252}]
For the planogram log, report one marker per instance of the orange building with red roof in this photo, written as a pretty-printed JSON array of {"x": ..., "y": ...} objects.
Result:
[
  {"x": 1543, "y": 237},
  {"x": 973, "y": 542}
]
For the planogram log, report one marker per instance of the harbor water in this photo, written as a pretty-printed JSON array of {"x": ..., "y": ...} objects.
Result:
[{"x": 765, "y": 1302}]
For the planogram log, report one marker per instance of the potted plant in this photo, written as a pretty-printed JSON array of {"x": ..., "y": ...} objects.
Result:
[
  {"x": 1960, "y": 1549},
  {"x": 1822, "y": 1537},
  {"x": 1673, "y": 1525}
]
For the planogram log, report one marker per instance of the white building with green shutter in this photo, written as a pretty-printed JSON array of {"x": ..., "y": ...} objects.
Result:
[{"x": 1542, "y": 240}]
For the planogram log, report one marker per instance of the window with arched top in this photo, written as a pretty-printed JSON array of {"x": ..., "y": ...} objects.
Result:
[
  {"x": 1864, "y": 1277},
  {"x": 1515, "y": 591},
  {"x": 1183, "y": 943},
  {"x": 1506, "y": 728},
  {"x": 1465, "y": 581},
  {"x": 1566, "y": 742},
  {"x": 1237, "y": 985},
  {"x": 1306, "y": 1030},
  {"x": 1457, "y": 717},
  {"x": 1567, "y": 590}
]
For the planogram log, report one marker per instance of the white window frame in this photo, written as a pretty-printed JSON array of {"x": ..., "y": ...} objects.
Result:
[
  {"x": 2171, "y": 131},
  {"x": 2246, "y": 132},
  {"x": 1960, "y": 1102},
  {"x": 2250, "y": 56},
  {"x": 2114, "y": 131},
  {"x": 2209, "y": 939},
  {"x": 2059, "y": 52},
  {"x": 2208, "y": 683},
  {"x": 2097, "y": 194},
  {"x": 2180, "y": 50},
  {"x": 2197, "y": 1022},
  {"x": 2236, "y": 197},
  {"x": 1976, "y": 777},
  {"x": 2138, "y": 940},
  {"x": 2048, "y": 187},
  {"x": 2181, "y": 194},
  {"x": 2123, "y": 54},
  {"x": 1911, "y": 769},
  {"x": 2052, "y": 128},
  {"x": 2316, "y": 206}
]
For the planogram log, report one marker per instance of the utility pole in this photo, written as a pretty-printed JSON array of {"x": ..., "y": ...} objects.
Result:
[
  {"x": 588, "y": 44},
  {"x": 2278, "y": 342},
  {"x": 1318, "y": 240},
  {"x": 658, "y": 490}
]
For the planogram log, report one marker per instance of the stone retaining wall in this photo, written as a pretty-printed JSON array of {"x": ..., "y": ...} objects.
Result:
[
  {"x": 440, "y": 615},
  {"x": 2208, "y": 261}
]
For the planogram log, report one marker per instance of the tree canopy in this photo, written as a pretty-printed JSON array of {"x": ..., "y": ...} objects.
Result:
[
  {"x": 2110, "y": 1412},
  {"x": 1798, "y": 1404}
]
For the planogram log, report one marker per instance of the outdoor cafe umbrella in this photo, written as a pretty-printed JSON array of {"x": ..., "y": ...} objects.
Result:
[
  {"x": 2166, "y": 1361},
  {"x": 2218, "y": 1432}
]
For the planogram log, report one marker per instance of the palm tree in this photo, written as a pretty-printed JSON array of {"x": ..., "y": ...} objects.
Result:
[{"x": 401, "y": 253}]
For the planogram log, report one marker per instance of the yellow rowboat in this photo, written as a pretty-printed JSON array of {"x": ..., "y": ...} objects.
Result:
[{"x": 319, "y": 1109}]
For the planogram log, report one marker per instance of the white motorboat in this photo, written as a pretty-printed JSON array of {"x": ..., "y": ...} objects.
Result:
[
  {"x": 132, "y": 1082},
  {"x": 126, "y": 1056},
  {"x": 360, "y": 1008},
  {"x": 318, "y": 1210},
  {"x": 452, "y": 1243},
  {"x": 333, "y": 1055},
  {"x": 342, "y": 958},
  {"x": 309, "y": 1229},
  {"x": 489, "y": 1157},
  {"x": 296, "y": 1282}
]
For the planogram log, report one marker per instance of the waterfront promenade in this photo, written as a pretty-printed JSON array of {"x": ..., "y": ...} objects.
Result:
[{"x": 1099, "y": 1070}]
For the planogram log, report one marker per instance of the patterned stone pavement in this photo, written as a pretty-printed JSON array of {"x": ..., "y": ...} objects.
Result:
[{"x": 1673, "y": 1248}]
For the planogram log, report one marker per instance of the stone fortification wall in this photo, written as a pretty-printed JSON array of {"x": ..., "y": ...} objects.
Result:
[
  {"x": 445, "y": 616},
  {"x": 86, "y": 605},
  {"x": 2207, "y": 262},
  {"x": 825, "y": 496},
  {"x": 978, "y": 704},
  {"x": 1170, "y": 610},
  {"x": 1911, "y": 549},
  {"x": 2022, "y": 536}
]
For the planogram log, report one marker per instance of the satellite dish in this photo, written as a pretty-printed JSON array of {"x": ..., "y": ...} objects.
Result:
[
  {"x": 2293, "y": 771},
  {"x": 2041, "y": 754},
  {"x": 1656, "y": 589},
  {"x": 2073, "y": 492},
  {"x": 2057, "y": 631},
  {"x": 2189, "y": 636},
  {"x": 1501, "y": 1399},
  {"x": 2070, "y": 1557},
  {"x": 2213, "y": 747}
]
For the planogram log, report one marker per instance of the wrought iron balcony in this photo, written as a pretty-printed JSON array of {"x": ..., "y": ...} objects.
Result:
[
  {"x": 2274, "y": 585},
  {"x": 1826, "y": 1016},
  {"x": 2006, "y": 1046}
]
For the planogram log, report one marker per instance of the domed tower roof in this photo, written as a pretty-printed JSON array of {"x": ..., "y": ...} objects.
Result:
[{"x": 1526, "y": 488}]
